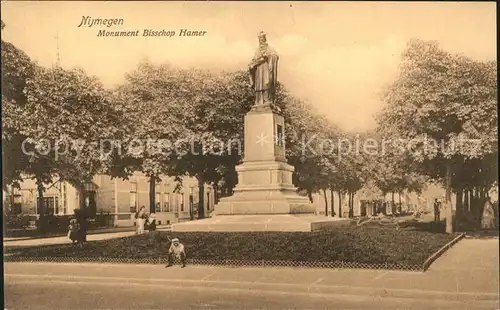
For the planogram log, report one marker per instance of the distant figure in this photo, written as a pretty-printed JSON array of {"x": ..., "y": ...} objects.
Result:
[
  {"x": 73, "y": 231},
  {"x": 177, "y": 250},
  {"x": 82, "y": 223},
  {"x": 141, "y": 220},
  {"x": 488, "y": 218},
  {"x": 151, "y": 222},
  {"x": 437, "y": 210}
]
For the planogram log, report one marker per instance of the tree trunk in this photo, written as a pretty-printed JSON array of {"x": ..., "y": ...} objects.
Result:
[
  {"x": 393, "y": 202},
  {"x": 201, "y": 198},
  {"x": 471, "y": 200},
  {"x": 152, "y": 194},
  {"x": 81, "y": 194},
  {"x": 466, "y": 201},
  {"x": 351, "y": 204},
  {"x": 7, "y": 202},
  {"x": 39, "y": 203},
  {"x": 326, "y": 202},
  {"x": 448, "y": 212},
  {"x": 475, "y": 212},
  {"x": 400, "y": 208},
  {"x": 459, "y": 203},
  {"x": 340, "y": 203},
  {"x": 216, "y": 193},
  {"x": 40, "y": 206},
  {"x": 332, "y": 209}
]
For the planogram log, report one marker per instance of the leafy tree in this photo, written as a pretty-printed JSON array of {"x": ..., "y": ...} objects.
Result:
[
  {"x": 445, "y": 98},
  {"x": 214, "y": 111},
  {"x": 66, "y": 116},
  {"x": 151, "y": 101},
  {"x": 17, "y": 68}
]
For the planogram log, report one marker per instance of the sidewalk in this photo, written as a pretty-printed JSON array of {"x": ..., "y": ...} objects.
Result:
[
  {"x": 92, "y": 236},
  {"x": 90, "y": 232},
  {"x": 454, "y": 276}
]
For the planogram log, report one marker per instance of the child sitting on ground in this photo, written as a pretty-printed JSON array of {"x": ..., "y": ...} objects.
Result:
[
  {"x": 176, "y": 251},
  {"x": 73, "y": 231}
]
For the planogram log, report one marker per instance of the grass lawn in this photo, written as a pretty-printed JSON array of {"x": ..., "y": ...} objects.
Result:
[{"x": 356, "y": 245}]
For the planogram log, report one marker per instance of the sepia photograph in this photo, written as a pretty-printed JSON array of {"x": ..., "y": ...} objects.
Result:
[{"x": 250, "y": 155}]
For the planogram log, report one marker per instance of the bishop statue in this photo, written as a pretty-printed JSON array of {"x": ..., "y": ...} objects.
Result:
[{"x": 264, "y": 72}]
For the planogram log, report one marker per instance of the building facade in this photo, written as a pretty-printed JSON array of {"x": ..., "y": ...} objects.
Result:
[{"x": 116, "y": 197}]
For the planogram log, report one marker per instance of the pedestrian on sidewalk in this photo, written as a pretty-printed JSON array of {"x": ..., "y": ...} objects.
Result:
[
  {"x": 437, "y": 210},
  {"x": 151, "y": 222},
  {"x": 177, "y": 250},
  {"x": 73, "y": 231},
  {"x": 488, "y": 218},
  {"x": 141, "y": 220},
  {"x": 81, "y": 218}
]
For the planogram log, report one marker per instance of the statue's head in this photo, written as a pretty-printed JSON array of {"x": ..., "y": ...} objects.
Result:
[{"x": 262, "y": 37}]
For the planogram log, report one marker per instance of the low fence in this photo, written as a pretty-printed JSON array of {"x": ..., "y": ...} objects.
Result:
[{"x": 222, "y": 262}]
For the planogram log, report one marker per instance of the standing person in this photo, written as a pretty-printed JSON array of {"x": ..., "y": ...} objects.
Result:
[
  {"x": 437, "y": 210},
  {"x": 488, "y": 218},
  {"x": 73, "y": 231},
  {"x": 177, "y": 249},
  {"x": 82, "y": 221},
  {"x": 151, "y": 221},
  {"x": 140, "y": 220}
]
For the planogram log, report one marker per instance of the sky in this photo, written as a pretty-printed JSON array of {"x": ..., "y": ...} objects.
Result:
[{"x": 336, "y": 55}]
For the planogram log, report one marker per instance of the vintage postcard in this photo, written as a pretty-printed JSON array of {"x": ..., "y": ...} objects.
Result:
[{"x": 250, "y": 155}]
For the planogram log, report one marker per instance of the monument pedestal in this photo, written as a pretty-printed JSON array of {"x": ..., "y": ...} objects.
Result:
[
  {"x": 265, "y": 198},
  {"x": 264, "y": 187},
  {"x": 255, "y": 223},
  {"x": 264, "y": 178}
]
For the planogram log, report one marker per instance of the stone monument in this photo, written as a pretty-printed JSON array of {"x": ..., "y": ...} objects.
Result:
[
  {"x": 264, "y": 178},
  {"x": 265, "y": 198}
]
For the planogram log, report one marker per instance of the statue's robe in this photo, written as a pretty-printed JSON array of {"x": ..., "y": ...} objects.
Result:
[{"x": 264, "y": 75}]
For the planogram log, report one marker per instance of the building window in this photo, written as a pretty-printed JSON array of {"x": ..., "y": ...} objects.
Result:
[
  {"x": 16, "y": 207},
  {"x": 180, "y": 196},
  {"x": 157, "y": 202},
  {"x": 51, "y": 205},
  {"x": 175, "y": 203},
  {"x": 133, "y": 202},
  {"x": 64, "y": 199},
  {"x": 166, "y": 203}
]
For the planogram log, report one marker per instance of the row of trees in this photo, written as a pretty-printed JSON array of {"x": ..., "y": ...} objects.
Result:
[
  {"x": 202, "y": 112},
  {"x": 452, "y": 100}
]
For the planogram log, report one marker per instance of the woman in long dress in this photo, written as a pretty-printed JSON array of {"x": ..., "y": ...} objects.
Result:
[
  {"x": 488, "y": 218},
  {"x": 140, "y": 220}
]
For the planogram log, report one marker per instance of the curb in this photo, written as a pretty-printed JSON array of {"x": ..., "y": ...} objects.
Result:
[
  {"x": 427, "y": 263},
  {"x": 284, "y": 288}
]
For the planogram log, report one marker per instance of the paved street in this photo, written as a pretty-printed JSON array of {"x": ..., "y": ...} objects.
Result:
[{"x": 40, "y": 294}]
